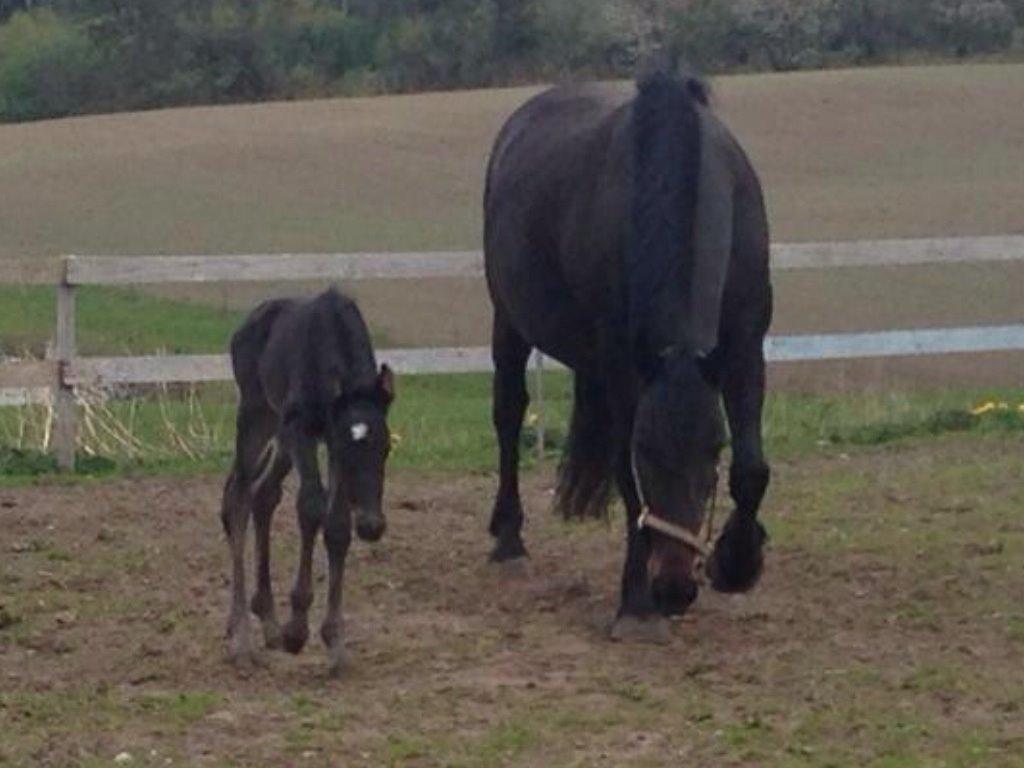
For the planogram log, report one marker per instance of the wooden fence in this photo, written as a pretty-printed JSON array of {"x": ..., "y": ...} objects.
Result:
[{"x": 23, "y": 381}]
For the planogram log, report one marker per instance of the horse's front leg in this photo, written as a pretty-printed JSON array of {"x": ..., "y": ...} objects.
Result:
[
  {"x": 738, "y": 559},
  {"x": 310, "y": 508},
  {"x": 337, "y": 538},
  {"x": 638, "y": 619}
]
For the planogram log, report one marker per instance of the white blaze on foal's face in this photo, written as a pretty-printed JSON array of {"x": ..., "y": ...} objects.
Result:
[{"x": 359, "y": 432}]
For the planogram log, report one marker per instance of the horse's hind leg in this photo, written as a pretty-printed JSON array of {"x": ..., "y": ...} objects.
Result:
[
  {"x": 235, "y": 517},
  {"x": 510, "y": 353},
  {"x": 268, "y": 476},
  {"x": 254, "y": 427}
]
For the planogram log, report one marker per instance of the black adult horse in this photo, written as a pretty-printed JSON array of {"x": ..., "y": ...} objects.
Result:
[{"x": 630, "y": 242}]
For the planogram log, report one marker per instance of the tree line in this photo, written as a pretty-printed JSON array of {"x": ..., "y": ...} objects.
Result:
[{"x": 63, "y": 57}]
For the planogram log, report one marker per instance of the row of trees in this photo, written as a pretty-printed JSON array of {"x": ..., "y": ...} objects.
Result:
[{"x": 60, "y": 57}]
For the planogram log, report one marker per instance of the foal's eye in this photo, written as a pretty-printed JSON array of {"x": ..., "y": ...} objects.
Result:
[{"x": 359, "y": 432}]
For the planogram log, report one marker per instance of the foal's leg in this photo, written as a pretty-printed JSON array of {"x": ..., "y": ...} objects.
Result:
[
  {"x": 235, "y": 517},
  {"x": 510, "y": 353},
  {"x": 638, "y": 619},
  {"x": 738, "y": 559},
  {"x": 310, "y": 508},
  {"x": 267, "y": 478},
  {"x": 235, "y": 509},
  {"x": 337, "y": 538}
]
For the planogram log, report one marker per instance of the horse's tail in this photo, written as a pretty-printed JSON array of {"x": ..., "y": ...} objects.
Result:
[
  {"x": 588, "y": 465},
  {"x": 666, "y": 171}
]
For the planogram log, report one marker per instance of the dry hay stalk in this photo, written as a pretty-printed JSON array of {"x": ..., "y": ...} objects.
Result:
[
  {"x": 99, "y": 419},
  {"x": 172, "y": 430}
]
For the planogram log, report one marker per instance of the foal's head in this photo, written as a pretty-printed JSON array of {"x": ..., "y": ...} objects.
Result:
[
  {"x": 360, "y": 442},
  {"x": 677, "y": 437}
]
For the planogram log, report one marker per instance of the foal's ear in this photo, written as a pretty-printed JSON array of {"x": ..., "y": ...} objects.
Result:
[{"x": 386, "y": 383}]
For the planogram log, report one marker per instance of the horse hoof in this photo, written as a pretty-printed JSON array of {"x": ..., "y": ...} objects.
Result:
[
  {"x": 239, "y": 650},
  {"x": 241, "y": 656},
  {"x": 294, "y": 638},
  {"x": 337, "y": 662},
  {"x": 508, "y": 548},
  {"x": 631, "y": 629},
  {"x": 272, "y": 637}
]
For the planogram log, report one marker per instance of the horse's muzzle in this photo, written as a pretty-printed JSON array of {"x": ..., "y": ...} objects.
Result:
[
  {"x": 672, "y": 595},
  {"x": 370, "y": 526}
]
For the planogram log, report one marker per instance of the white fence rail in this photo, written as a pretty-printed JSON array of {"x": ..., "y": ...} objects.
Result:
[{"x": 55, "y": 381}]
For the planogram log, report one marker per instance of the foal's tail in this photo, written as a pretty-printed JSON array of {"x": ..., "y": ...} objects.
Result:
[{"x": 588, "y": 466}]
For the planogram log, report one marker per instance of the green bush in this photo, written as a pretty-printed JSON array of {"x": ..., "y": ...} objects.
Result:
[
  {"x": 973, "y": 26},
  {"x": 450, "y": 47},
  {"x": 73, "y": 56},
  {"x": 592, "y": 36},
  {"x": 46, "y": 66}
]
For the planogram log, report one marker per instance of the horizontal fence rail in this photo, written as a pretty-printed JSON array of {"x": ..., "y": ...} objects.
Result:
[
  {"x": 54, "y": 382},
  {"x": 128, "y": 270},
  {"x": 778, "y": 349}
]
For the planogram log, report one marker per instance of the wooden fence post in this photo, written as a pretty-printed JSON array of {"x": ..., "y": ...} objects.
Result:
[
  {"x": 538, "y": 388},
  {"x": 65, "y": 433}
]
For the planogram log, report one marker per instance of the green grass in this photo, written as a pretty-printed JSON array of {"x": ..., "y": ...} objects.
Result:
[
  {"x": 114, "y": 321},
  {"x": 443, "y": 422}
]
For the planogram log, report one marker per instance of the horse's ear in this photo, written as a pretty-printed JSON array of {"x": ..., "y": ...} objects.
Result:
[
  {"x": 710, "y": 366},
  {"x": 386, "y": 383}
]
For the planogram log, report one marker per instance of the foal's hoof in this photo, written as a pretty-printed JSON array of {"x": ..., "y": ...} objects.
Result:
[
  {"x": 337, "y": 661},
  {"x": 240, "y": 654},
  {"x": 294, "y": 637},
  {"x": 239, "y": 650},
  {"x": 631, "y": 629},
  {"x": 272, "y": 637},
  {"x": 507, "y": 549}
]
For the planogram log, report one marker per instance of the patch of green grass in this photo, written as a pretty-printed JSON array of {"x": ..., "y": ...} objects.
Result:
[
  {"x": 114, "y": 321},
  {"x": 182, "y": 707},
  {"x": 401, "y": 748},
  {"x": 443, "y": 422},
  {"x": 1015, "y": 628},
  {"x": 502, "y": 743},
  {"x": 795, "y": 422}
]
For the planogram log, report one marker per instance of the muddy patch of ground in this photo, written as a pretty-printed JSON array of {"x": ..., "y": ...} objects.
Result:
[{"x": 888, "y": 630}]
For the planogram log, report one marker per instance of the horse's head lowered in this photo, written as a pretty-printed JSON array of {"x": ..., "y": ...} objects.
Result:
[
  {"x": 678, "y": 434},
  {"x": 359, "y": 444}
]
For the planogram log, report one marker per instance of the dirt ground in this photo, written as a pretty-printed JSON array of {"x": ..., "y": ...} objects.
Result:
[{"x": 888, "y": 630}]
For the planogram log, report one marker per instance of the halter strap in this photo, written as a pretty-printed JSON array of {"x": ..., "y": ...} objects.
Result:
[{"x": 647, "y": 519}]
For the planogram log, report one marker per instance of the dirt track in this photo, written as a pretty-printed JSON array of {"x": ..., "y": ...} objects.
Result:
[{"x": 888, "y": 627}]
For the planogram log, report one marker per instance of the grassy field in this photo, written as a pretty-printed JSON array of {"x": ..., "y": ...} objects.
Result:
[
  {"x": 443, "y": 423},
  {"x": 887, "y": 631},
  {"x": 918, "y": 151}
]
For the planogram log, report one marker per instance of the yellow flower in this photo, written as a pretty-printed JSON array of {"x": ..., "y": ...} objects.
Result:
[
  {"x": 978, "y": 410},
  {"x": 532, "y": 418},
  {"x": 396, "y": 439}
]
